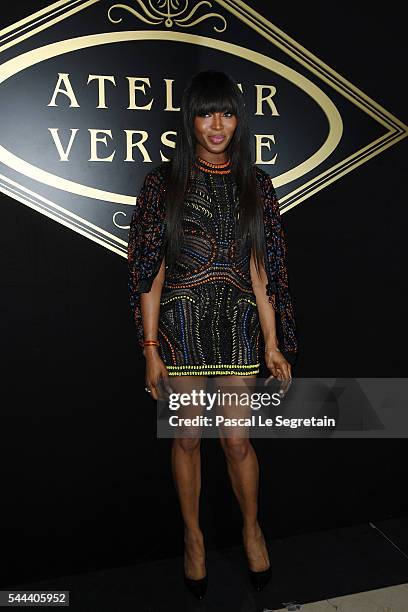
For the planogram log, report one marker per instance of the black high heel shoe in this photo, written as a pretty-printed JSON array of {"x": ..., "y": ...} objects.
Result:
[
  {"x": 260, "y": 579},
  {"x": 197, "y": 587}
]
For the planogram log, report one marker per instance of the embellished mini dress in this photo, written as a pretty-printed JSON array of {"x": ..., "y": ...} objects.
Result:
[
  {"x": 208, "y": 316},
  {"x": 208, "y": 322}
]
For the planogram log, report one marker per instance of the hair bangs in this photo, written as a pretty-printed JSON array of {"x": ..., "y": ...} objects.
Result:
[
  {"x": 214, "y": 96},
  {"x": 217, "y": 104}
]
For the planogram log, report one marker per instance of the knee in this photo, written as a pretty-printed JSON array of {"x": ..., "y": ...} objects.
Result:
[
  {"x": 236, "y": 449},
  {"x": 188, "y": 445}
]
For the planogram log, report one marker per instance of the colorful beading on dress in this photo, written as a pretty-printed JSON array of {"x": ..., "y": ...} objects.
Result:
[
  {"x": 208, "y": 315},
  {"x": 208, "y": 321}
]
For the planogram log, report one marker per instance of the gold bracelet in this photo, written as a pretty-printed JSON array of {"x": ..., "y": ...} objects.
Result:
[{"x": 151, "y": 343}]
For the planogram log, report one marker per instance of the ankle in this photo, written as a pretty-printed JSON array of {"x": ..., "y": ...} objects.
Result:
[
  {"x": 251, "y": 529},
  {"x": 193, "y": 533}
]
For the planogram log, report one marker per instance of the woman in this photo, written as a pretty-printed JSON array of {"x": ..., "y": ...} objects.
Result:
[{"x": 207, "y": 273}]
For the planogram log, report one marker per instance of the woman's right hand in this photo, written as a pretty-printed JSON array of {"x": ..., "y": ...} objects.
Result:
[{"x": 157, "y": 377}]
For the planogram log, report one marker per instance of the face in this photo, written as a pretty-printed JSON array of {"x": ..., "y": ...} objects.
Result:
[{"x": 214, "y": 132}]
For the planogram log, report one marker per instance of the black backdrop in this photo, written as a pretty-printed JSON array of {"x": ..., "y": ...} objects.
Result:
[{"x": 85, "y": 482}]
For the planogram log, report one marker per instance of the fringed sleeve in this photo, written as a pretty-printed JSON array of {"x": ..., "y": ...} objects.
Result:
[
  {"x": 278, "y": 286},
  {"x": 146, "y": 243}
]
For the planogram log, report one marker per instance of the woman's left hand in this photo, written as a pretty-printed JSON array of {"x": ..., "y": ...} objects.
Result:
[{"x": 277, "y": 364}]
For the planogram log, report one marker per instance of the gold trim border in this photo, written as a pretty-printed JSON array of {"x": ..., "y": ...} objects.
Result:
[
  {"x": 62, "y": 215},
  {"x": 63, "y": 9},
  {"x": 57, "y": 12}
]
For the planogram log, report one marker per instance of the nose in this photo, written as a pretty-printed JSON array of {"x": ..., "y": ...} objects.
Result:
[{"x": 217, "y": 120}]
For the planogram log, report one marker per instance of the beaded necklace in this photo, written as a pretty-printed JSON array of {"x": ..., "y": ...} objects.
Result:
[{"x": 206, "y": 166}]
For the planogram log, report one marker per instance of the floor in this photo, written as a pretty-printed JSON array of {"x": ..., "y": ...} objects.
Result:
[
  {"x": 354, "y": 569},
  {"x": 391, "y": 599}
]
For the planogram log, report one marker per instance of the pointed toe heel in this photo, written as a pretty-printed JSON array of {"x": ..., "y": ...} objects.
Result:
[
  {"x": 260, "y": 579},
  {"x": 197, "y": 587}
]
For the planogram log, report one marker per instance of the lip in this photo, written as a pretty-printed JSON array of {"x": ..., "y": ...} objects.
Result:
[{"x": 216, "y": 139}]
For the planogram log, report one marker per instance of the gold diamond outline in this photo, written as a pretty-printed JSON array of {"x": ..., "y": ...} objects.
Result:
[{"x": 62, "y": 9}]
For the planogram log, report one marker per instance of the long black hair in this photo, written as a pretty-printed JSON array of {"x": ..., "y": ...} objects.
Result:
[{"x": 208, "y": 92}]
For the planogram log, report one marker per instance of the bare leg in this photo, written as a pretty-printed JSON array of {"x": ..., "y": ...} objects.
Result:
[
  {"x": 186, "y": 468},
  {"x": 243, "y": 470}
]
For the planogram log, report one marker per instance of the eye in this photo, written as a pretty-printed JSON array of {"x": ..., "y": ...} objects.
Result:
[{"x": 229, "y": 114}]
